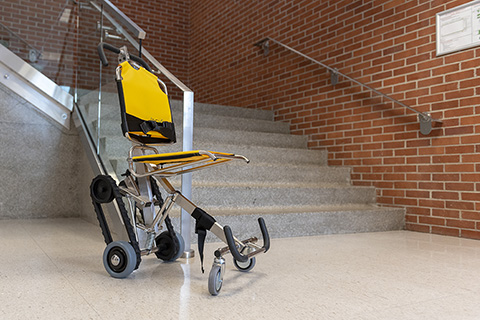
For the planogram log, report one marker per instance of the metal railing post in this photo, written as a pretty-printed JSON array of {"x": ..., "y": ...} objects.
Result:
[{"x": 187, "y": 178}]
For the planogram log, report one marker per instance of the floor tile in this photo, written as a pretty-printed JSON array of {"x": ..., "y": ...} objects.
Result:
[{"x": 52, "y": 269}]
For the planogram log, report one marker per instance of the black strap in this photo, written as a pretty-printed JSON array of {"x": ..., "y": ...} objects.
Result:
[
  {"x": 202, "y": 235},
  {"x": 204, "y": 223},
  {"x": 165, "y": 128}
]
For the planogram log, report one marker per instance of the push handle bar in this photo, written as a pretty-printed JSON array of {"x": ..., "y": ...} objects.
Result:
[
  {"x": 101, "y": 53},
  {"x": 265, "y": 235},
  {"x": 233, "y": 247}
]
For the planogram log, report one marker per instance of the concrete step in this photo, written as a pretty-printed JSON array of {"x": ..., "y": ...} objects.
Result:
[
  {"x": 111, "y": 124},
  {"x": 109, "y": 95},
  {"x": 284, "y": 221},
  {"x": 264, "y": 173},
  {"x": 110, "y": 109},
  {"x": 251, "y": 195},
  {"x": 228, "y": 111},
  {"x": 289, "y": 185},
  {"x": 257, "y": 155},
  {"x": 110, "y": 100},
  {"x": 266, "y": 139},
  {"x": 118, "y": 145}
]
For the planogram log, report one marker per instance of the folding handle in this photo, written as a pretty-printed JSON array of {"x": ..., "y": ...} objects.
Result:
[
  {"x": 101, "y": 53},
  {"x": 233, "y": 247}
]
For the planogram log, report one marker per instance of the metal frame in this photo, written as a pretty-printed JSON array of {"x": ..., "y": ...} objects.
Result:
[
  {"x": 178, "y": 168},
  {"x": 181, "y": 168},
  {"x": 188, "y": 105},
  {"x": 143, "y": 170},
  {"x": 425, "y": 119}
]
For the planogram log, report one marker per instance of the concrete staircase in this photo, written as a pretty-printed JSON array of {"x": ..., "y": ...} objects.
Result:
[{"x": 290, "y": 186}]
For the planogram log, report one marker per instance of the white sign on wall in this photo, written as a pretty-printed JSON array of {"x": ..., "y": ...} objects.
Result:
[{"x": 458, "y": 28}]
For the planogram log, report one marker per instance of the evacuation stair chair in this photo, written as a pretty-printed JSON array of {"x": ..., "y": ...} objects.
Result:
[{"x": 147, "y": 121}]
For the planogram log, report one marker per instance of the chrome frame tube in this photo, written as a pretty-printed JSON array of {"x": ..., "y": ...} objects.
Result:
[
  {"x": 162, "y": 213},
  {"x": 175, "y": 169},
  {"x": 166, "y": 172},
  {"x": 185, "y": 229}
]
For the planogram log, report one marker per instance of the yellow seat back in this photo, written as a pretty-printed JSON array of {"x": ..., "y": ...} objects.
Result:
[{"x": 145, "y": 108}]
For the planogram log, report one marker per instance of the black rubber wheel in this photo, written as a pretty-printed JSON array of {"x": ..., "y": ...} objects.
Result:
[
  {"x": 245, "y": 266},
  {"x": 119, "y": 259},
  {"x": 169, "y": 249},
  {"x": 215, "y": 280},
  {"x": 101, "y": 189}
]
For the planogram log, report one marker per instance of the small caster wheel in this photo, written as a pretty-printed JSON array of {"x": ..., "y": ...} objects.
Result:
[
  {"x": 215, "y": 280},
  {"x": 119, "y": 259},
  {"x": 168, "y": 250},
  {"x": 101, "y": 189},
  {"x": 245, "y": 266}
]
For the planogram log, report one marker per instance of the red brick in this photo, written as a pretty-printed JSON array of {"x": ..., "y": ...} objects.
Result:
[
  {"x": 472, "y": 234},
  {"x": 471, "y": 215},
  {"x": 467, "y": 196},
  {"x": 417, "y": 227},
  {"x": 431, "y": 220},
  {"x": 446, "y": 213},
  {"x": 460, "y": 205},
  {"x": 446, "y": 231},
  {"x": 445, "y": 195}
]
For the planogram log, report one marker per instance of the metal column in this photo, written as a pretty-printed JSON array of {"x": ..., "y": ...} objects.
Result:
[{"x": 187, "y": 178}]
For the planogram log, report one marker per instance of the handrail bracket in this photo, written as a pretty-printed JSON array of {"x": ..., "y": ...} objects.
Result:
[
  {"x": 334, "y": 76},
  {"x": 425, "y": 120},
  {"x": 264, "y": 45}
]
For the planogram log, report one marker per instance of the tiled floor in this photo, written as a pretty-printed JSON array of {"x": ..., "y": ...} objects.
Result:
[{"x": 52, "y": 269}]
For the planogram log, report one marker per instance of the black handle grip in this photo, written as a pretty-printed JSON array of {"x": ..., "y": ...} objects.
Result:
[
  {"x": 142, "y": 62},
  {"x": 101, "y": 53},
  {"x": 231, "y": 245},
  {"x": 265, "y": 235}
]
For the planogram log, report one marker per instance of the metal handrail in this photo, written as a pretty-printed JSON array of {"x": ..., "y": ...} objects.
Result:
[
  {"x": 425, "y": 119},
  {"x": 132, "y": 26},
  {"x": 39, "y": 53},
  {"x": 187, "y": 103}
]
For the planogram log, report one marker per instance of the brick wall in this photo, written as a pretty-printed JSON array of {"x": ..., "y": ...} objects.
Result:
[{"x": 387, "y": 44}]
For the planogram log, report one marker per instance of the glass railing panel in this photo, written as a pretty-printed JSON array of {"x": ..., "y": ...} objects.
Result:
[
  {"x": 97, "y": 96},
  {"x": 20, "y": 47},
  {"x": 114, "y": 146},
  {"x": 88, "y": 68},
  {"x": 43, "y": 33}
]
